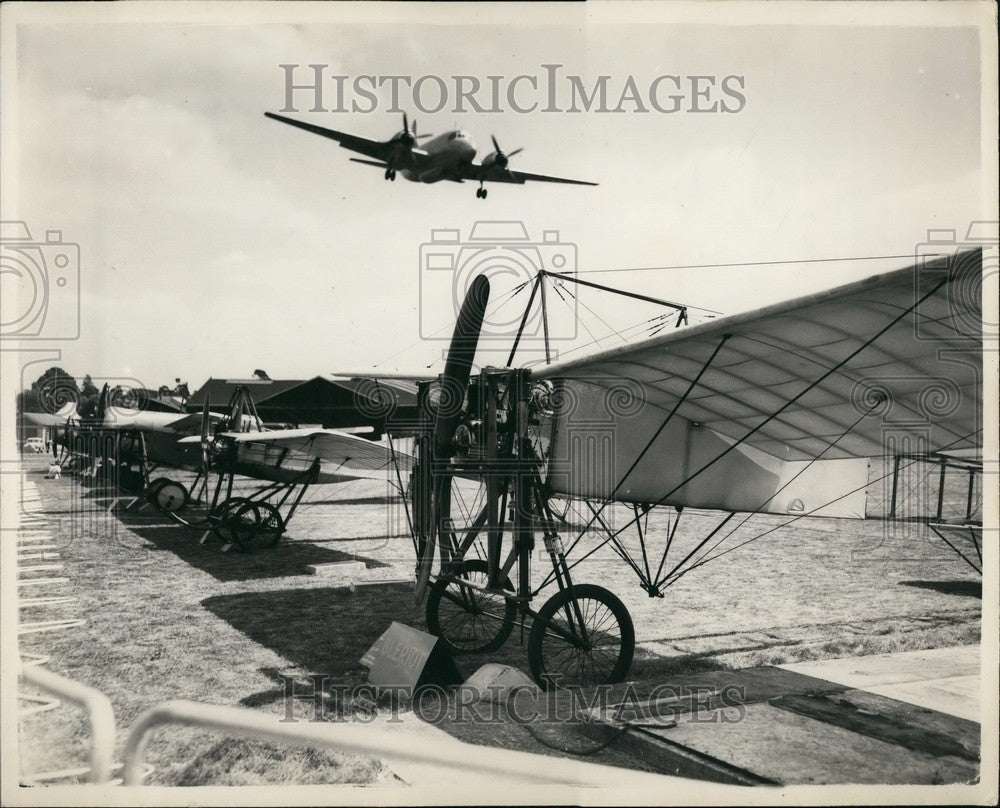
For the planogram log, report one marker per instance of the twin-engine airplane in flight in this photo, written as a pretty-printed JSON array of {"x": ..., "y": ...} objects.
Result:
[{"x": 448, "y": 156}]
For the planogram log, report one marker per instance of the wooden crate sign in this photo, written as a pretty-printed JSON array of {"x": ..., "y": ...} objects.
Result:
[{"x": 405, "y": 657}]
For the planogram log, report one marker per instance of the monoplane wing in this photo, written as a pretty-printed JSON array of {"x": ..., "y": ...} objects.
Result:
[
  {"x": 495, "y": 173},
  {"x": 384, "y": 151},
  {"x": 779, "y": 410},
  {"x": 65, "y": 414},
  {"x": 146, "y": 421},
  {"x": 333, "y": 447}
]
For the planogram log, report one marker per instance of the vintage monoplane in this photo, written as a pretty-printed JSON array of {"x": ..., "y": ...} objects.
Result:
[
  {"x": 279, "y": 464},
  {"x": 119, "y": 419},
  {"x": 280, "y": 460},
  {"x": 799, "y": 409}
]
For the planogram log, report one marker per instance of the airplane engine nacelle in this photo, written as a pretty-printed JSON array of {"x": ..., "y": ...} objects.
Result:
[{"x": 498, "y": 159}]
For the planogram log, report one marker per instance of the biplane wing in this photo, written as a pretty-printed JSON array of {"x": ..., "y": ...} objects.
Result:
[{"x": 779, "y": 410}]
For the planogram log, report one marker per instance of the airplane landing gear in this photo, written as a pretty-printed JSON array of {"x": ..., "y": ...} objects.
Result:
[
  {"x": 390, "y": 174},
  {"x": 481, "y": 192}
]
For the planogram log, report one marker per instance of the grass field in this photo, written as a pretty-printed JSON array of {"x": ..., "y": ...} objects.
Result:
[{"x": 167, "y": 617}]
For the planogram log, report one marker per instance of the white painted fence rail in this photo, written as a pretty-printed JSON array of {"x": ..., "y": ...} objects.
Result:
[
  {"x": 376, "y": 742},
  {"x": 94, "y": 703}
]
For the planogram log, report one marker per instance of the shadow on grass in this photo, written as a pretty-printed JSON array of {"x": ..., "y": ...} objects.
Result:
[
  {"x": 287, "y": 559},
  {"x": 323, "y": 630},
  {"x": 966, "y": 588},
  {"x": 647, "y": 665},
  {"x": 356, "y": 501},
  {"x": 327, "y": 629}
]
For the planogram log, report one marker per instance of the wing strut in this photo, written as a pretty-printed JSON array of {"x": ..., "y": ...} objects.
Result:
[
  {"x": 635, "y": 295},
  {"x": 656, "y": 434},
  {"x": 524, "y": 319},
  {"x": 538, "y": 287}
]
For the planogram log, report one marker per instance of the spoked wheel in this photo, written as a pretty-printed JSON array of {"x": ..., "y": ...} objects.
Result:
[
  {"x": 469, "y": 620},
  {"x": 234, "y": 521},
  {"x": 268, "y": 530},
  {"x": 167, "y": 495},
  {"x": 583, "y": 635}
]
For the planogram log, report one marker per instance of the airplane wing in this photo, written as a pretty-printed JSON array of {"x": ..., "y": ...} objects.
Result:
[
  {"x": 145, "y": 421},
  {"x": 340, "y": 449},
  {"x": 192, "y": 423},
  {"x": 129, "y": 419},
  {"x": 780, "y": 410},
  {"x": 375, "y": 149},
  {"x": 45, "y": 418},
  {"x": 63, "y": 416},
  {"x": 476, "y": 171}
]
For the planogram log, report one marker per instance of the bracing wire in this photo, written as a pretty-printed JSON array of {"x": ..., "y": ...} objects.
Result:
[{"x": 749, "y": 264}]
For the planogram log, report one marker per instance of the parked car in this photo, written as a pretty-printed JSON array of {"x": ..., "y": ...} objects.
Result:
[{"x": 36, "y": 445}]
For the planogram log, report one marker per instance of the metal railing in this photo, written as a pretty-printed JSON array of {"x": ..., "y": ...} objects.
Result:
[
  {"x": 94, "y": 703},
  {"x": 376, "y": 742}
]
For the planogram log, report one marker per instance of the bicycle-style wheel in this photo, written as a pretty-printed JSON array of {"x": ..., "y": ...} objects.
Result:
[
  {"x": 233, "y": 520},
  {"x": 469, "y": 620},
  {"x": 269, "y": 529},
  {"x": 583, "y": 635}
]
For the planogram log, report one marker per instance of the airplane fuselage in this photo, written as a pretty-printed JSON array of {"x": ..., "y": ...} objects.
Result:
[{"x": 445, "y": 151}]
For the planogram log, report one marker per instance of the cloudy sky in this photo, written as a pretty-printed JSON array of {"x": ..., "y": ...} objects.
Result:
[{"x": 215, "y": 241}]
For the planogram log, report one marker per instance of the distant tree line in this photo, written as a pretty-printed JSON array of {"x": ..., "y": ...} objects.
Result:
[{"x": 55, "y": 388}]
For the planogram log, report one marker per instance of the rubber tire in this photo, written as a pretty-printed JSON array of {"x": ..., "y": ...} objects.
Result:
[
  {"x": 435, "y": 596},
  {"x": 177, "y": 502},
  {"x": 222, "y": 516},
  {"x": 555, "y": 604},
  {"x": 270, "y": 527},
  {"x": 153, "y": 487},
  {"x": 247, "y": 528}
]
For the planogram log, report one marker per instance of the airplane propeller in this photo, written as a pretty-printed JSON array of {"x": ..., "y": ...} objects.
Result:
[
  {"x": 406, "y": 137},
  {"x": 454, "y": 381},
  {"x": 102, "y": 405},
  {"x": 206, "y": 438},
  {"x": 500, "y": 158}
]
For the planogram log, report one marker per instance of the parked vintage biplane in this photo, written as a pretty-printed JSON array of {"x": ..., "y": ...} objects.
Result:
[{"x": 797, "y": 409}]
